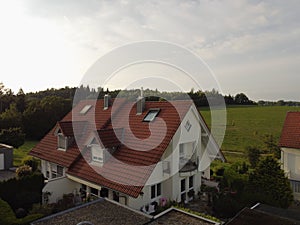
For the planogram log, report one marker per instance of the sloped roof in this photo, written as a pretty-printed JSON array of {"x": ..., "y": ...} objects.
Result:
[
  {"x": 133, "y": 162},
  {"x": 68, "y": 126},
  {"x": 100, "y": 212},
  {"x": 130, "y": 168},
  {"x": 110, "y": 137},
  {"x": 290, "y": 135},
  {"x": 47, "y": 148},
  {"x": 252, "y": 217}
]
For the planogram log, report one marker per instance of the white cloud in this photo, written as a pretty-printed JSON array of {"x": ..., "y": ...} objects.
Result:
[{"x": 224, "y": 33}]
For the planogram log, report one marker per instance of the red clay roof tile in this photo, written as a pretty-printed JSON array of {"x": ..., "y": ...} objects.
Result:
[
  {"x": 131, "y": 166},
  {"x": 290, "y": 135}
]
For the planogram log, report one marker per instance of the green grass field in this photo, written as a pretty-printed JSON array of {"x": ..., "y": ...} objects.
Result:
[
  {"x": 22, "y": 152},
  {"x": 246, "y": 126}
]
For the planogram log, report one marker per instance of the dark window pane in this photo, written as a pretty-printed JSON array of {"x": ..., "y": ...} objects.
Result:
[
  {"x": 153, "y": 191},
  {"x": 191, "y": 181},
  {"x": 60, "y": 171},
  {"x": 182, "y": 185},
  {"x": 158, "y": 189},
  {"x": 94, "y": 191}
]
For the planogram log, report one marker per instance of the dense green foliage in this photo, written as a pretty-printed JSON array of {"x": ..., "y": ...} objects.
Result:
[
  {"x": 243, "y": 187},
  {"x": 253, "y": 155},
  {"x": 7, "y": 216},
  {"x": 269, "y": 185},
  {"x": 33, "y": 163},
  {"x": 23, "y": 171},
  {"x": 22, "y": 192},
  {"x": 21, "y": 153},
  {"x": 12, "y": 136}
]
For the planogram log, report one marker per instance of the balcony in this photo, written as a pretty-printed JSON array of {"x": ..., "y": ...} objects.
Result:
[{"x": 187, "y": 165}]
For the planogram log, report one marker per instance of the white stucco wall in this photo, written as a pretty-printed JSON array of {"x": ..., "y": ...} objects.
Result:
[
  {"x": 60, "y": 186},
  {"x": 171, "y": 181},
  {"x": 291, "y": 162}
]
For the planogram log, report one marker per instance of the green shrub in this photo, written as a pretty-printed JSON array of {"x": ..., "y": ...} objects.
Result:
[
  {"x": 22, "y": 192},
  {"x": 32, "y": 162},
  {"x": 7, "y": 216},
  {"x": 23, "y": 171}
]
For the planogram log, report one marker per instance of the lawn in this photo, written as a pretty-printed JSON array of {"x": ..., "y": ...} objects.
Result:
[
  {"x": 246, "y": 126},
  {"x": 23, "y": 151}
]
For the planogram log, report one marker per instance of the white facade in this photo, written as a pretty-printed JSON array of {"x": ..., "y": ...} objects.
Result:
[
  {"x": 170, "y": 180},
  {"x": 290, "y": 159}
]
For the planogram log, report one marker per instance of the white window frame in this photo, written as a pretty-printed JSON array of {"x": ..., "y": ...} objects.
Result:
[
  {"x": 188, "y": 125},
  {"x": 96, "y": 156},
  {"x": 181, "y": 151},
  {"x": 63, "y": 139},
  {"x": 295, "y": 186},
  {"x": 54, "y": 171},
  {"x": 183, "y": 192},
  {"x": 156, "y": 195}
]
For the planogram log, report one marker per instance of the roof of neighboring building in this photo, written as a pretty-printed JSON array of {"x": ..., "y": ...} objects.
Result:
[
  {"x": 292, "y": 214},
  {"x": 290, "y": 135},
  {"x": 100, "y": 212},
  {"x": 6, "y": 146},
  {"x": 175, "y": 216},
  {"x": 104, "y": 211},
  {"x": 253, "y": 217}
]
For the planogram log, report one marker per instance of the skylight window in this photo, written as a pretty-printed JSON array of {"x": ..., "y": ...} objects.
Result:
[
  {"x": 85, "y": 109},
  {"x": 151, "y": 115}
]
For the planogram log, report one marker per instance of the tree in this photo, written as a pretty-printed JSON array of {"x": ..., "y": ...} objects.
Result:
[
  {"x": 268, "y": 184},
  {"x": 12, "y": 136},
  {"x": 253, "y": 154},
  {"x": 11, "y": 117},
  {"x": 272, "y": 146},
  {"x": 20, "y": 100},
  {"x": 242, "y": 99}
]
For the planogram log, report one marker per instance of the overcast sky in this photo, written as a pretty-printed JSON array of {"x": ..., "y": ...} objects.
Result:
[{"x": 252, "y": 46}]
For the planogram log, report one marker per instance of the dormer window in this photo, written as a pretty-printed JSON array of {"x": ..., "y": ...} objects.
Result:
[
  {"x": 62, "y": 141},
  {"x": 96, "y": 151},
  {"x": 150, "y": 116}
]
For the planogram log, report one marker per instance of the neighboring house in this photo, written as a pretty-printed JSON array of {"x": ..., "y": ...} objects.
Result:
[
  {"x": 6, "y": 157},
  {"x": 290, "y": 150},
  {"x": 120, "y": 159},
  {"x": 266, "y": 215},
  {"x": 103, "y": 212}
]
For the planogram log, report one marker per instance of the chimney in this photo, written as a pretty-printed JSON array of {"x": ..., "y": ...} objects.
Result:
[
  {"x": 107, "y": 101},
  {"x": 140, "y": 104}
]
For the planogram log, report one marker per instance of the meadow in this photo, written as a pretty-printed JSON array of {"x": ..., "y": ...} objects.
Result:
[
  {"x": 247, "y": 126},
  {"x": 21, "y": 152}
]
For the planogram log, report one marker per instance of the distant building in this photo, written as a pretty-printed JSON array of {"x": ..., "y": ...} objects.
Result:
[
  {"x": 116, "y": 164},
  {"x": 6, "y": 157},
  {"x": 290, "y": 150}
]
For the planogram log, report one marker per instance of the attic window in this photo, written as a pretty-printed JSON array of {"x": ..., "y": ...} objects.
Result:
[
  {"x": 85, "y": 109},
  {"x": 151, "y": 115}
]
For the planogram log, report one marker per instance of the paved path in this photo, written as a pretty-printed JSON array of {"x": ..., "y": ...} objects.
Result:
[{"x": 6, "y": 174}]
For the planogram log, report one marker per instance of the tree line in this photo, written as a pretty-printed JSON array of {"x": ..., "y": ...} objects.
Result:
[{"x": 32, "y": 115}]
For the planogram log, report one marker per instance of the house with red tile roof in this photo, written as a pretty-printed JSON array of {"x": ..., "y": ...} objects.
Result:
[
  {"x": 140, "y": 154},
  {"x": 290, "y": 150}
]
